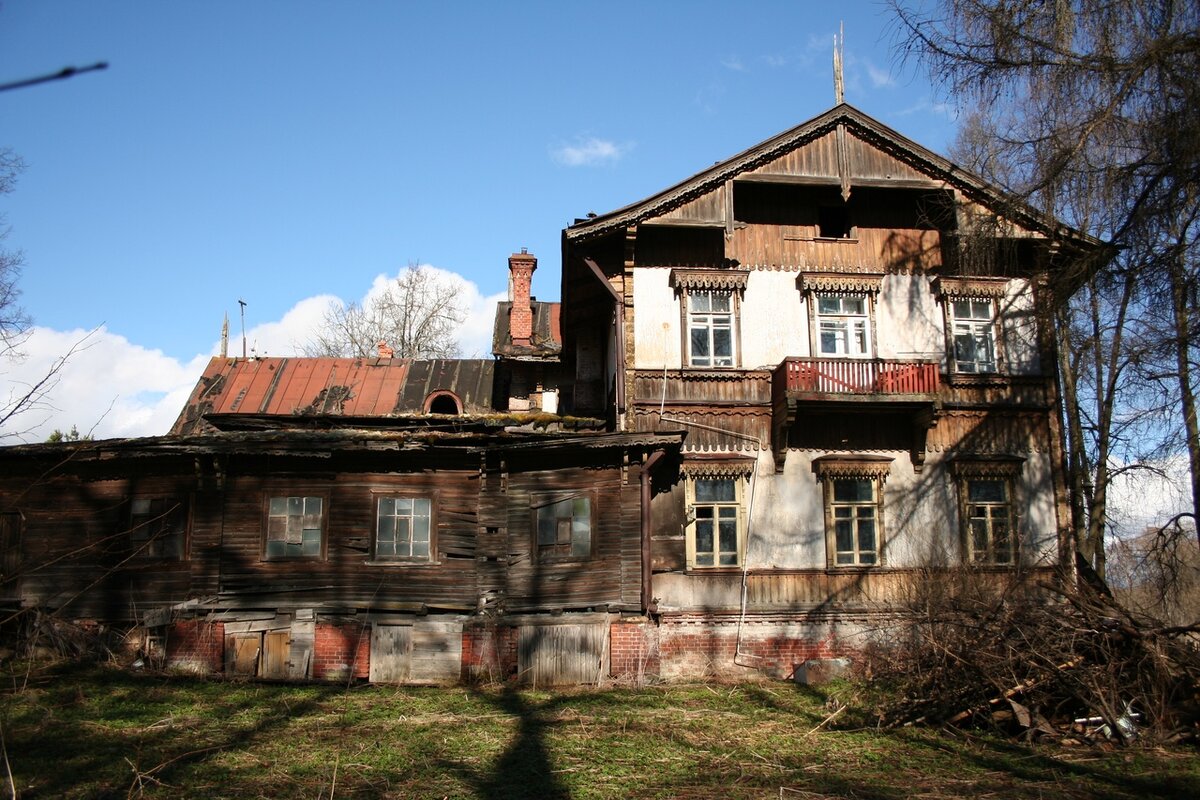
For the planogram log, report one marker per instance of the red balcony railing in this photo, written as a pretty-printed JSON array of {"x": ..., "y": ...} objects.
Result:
[{"x": 856, "y": 376}]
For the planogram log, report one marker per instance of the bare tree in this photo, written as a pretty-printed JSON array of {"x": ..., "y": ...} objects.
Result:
[
  {"x": 417, "y": 315},
  {"x": 1086, "y": 108},
  {"x": 14, "y": 322}
]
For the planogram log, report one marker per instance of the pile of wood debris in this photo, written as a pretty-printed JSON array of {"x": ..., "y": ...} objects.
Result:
[{"x": 1058, "y": 659}]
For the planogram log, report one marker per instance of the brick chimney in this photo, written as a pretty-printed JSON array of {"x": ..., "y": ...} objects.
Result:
[{"x": 520, "y": 317}]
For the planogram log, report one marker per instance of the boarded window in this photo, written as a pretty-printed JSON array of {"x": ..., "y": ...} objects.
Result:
[{"x": 295, "y": 527}]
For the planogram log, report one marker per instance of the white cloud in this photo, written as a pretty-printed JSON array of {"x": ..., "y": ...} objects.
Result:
[
  {"x": 587, "y": 152},
  {"x": 109, "y": 386},
  {"x": 880, "y": 78},
  {"x": 733, "y": 63},
  {"x": 775, "y": 61},
  {"x": 114, "y": 388}
]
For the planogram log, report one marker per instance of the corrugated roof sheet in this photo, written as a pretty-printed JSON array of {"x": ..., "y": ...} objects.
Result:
[{"x": 322, "y": 387}]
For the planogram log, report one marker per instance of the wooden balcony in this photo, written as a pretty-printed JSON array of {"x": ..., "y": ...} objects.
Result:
[
  {"x": 906, "y": 392},
  {"x": 826, "y": 378}
]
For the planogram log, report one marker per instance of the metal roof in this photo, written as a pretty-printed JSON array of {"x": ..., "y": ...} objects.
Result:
[{"x": 324, "y": 387}]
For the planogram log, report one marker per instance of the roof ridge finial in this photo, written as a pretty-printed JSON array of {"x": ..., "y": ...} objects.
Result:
[{"x": 839, "y": 44}]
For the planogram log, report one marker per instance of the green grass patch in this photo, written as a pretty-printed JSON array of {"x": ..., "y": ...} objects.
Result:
[{"x": 95, "y": 732}]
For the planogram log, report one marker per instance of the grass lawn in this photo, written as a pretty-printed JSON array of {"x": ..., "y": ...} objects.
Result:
[{"x": 99, "y": 732}]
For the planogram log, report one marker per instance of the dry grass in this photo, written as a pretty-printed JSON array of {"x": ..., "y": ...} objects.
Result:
[{"x": 99, "y": 732}]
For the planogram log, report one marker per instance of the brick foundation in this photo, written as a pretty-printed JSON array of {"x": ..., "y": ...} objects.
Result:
[
  {"x": 698, "y": 649},
  {"x": 489, "y": 653},
  {"x": 633, "y": 647},
  {"x": 341, "y": 651},
  {"x": 196, "y": 646}
]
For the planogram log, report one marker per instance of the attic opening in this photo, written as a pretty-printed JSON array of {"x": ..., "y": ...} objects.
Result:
[
  {"x": 833, "y": 222},
  {"x": 443, "y": 402},
  {"x": 677, "y": 246}
]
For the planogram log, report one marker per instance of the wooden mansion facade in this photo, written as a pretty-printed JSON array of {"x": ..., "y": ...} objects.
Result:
[{"x": 770, "y": 398}]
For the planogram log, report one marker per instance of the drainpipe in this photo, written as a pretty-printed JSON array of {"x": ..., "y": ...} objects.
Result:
[
  {"x": 647, "y": 589},
  {"x": 737, "y": 648}
]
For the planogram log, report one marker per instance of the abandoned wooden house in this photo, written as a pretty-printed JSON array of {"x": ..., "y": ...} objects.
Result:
[{"x": 772, "y": 395}]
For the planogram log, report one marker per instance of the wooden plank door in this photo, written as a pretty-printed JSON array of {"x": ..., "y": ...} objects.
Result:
[
  {"x": 241, "y": 653},
  {"x": 276, "y": 649},
  {"x": 558, "y": 655},
  {"x": 391, "y": 653}
]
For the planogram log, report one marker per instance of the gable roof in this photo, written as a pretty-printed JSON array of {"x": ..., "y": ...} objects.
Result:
[
  {"x": 919, "y": 167},
  {"x": 308, "y": 388}
]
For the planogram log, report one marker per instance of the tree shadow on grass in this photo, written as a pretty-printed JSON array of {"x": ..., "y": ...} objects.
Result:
[{"x": 524, "y": 768}]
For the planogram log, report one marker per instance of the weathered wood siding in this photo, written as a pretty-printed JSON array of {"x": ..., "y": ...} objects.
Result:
[
  {"x": 610, "y": 577},
  {"x": 346, "y": 573}
]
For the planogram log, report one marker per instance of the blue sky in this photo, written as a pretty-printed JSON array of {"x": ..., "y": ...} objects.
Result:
[{"x": 290, "y": 153}]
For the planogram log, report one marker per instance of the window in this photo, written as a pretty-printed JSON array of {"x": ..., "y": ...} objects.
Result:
[
  {"x": 853, "y": 490},
  {"x": 295, "y": 527},
  {"x": 843, "y": 325},
  {"x": 404, "y": 529},
  {"x": 973, "y": 331},
  {"x": 157, "y": 526},
  {"x": 989, "y": 523},
  {"x": 710, "y": 329},
  {"x": 564, "y": 528},
  {"x": 715, "y": 519},
  {"x": 854, "y": 512},
  {"x": 987, "y": 509}
]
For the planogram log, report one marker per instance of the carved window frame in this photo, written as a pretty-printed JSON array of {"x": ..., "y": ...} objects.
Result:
[
  {"x": 830, "y": 471},
  {"x": 954, "y": 292},
  {"x": 972, "y": 472},
  {"x": 737, "y": 472},
  {"x": 818, "y": 286},
  {"x": 691, "y": 283}
]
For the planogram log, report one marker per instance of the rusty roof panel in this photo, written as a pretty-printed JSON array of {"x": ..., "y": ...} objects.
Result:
[{"x": 307, "y": 387}]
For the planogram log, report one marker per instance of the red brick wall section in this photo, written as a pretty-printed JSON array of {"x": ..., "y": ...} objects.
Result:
[
  {"x": 708, "y": 649},
  {"x": 196, "y": 645},
  {"x": 633, "y": 649},
  {"x": 341, "y": 651},
  {"x": 489, "y": 653}
]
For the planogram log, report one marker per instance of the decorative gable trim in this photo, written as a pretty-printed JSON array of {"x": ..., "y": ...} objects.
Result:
[
  {"x": 839, "y": 283},
  {"x": 733, "y": 280},
  {"x": 970, "y": 288},
  {"x": 852, "y": 466}
]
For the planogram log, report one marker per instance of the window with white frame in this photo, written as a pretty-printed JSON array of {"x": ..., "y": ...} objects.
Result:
[
  {"x": 843, "y": 325},
  {"x": 973, "y": 331},
  {"x": 987, "y": 509},
  {"x": 563, "y": 527},
  {"x": 295, "y": 527},
  {"x": 716, "y": 524},
  {"x": 158, "y": 527},
  {"x": 404, "y": 529},
  {"x": 853, "y": 491},
  {"x": 711, "y": 328}
]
